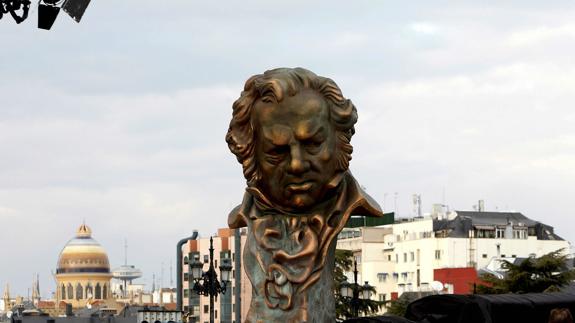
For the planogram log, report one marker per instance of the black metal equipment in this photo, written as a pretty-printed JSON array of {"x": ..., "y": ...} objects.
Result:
[
  {"x": 47, "y": 10},
  {"x": 18, "y": 9}
]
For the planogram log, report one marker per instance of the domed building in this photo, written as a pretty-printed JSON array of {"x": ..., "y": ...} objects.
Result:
[{"x": 83, "y": 272}]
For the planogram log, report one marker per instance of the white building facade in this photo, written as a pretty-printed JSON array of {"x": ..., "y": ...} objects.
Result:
[{"x": 411, "y": 254}]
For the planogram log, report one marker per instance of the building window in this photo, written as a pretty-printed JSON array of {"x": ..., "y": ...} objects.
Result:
[
  {"x": 395, "y": 277},
  {"x": 186, "y": 277},
  {"x": 105, "y": 292},
  {"x": 381, "y": 297},
  {"x": 500, "y": 233},
  {"x": 206, "y": 259},
  {"x": 396, "y": 258},
  {"x": 412, "y": 254},
  {"x": 206, "y": 309},
  {"x": 186, "y": 292},
  {"x": 389, "y": 258},
  {"x": 437, "y": 254},
  {"x": 520, "y": 233},
  {"x": 70, "y": 291},
  {"x": 485, "y": 233},
  {"x": 186, "y": 260},
  {"x": 484, "y": 255},
  {"x": 79, "y": 291},
  {"x": 89, "y": 291},
  {"x": 63, "y": 291},
  {"x": 405, "y": 257},
  {"x": 382, "y": 277}
]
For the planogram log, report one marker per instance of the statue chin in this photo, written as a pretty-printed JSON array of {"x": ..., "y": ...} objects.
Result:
[{"x": 299, "y": 201}]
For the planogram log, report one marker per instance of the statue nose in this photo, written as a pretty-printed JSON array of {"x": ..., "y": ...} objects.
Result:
[{"x": 297, "y": 163}]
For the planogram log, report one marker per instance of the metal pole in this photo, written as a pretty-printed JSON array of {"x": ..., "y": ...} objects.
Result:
[
  {"x": 179, "y": 289},
  {"x": 355, "y": 299},
  {"x": 211, "y": 280},
  {"x": 238, "y": 274}
]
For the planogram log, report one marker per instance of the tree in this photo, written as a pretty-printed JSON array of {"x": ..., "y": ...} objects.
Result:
[
  {"x": 398, "y": 306},
  {"x": 547, "y": 273},
  {"x": 343, "y": 309}
]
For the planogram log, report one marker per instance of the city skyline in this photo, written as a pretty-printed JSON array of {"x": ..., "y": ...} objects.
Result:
[{"x": 120, "y": 120}]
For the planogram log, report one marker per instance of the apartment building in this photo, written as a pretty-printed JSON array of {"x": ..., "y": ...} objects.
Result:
[{"x": 415, "y": 254}]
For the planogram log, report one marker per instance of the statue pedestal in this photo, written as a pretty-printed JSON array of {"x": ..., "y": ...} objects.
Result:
[{"x": 316, "y": 304}]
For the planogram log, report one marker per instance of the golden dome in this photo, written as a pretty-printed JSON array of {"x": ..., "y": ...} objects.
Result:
[{"x": 83, "y": 254}]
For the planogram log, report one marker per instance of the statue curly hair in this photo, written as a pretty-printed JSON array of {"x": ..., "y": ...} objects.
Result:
[{"x": 273, "y": 86}]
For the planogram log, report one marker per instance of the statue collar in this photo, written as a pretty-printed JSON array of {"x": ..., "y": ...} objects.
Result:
[{"x": 352, "y": 199}]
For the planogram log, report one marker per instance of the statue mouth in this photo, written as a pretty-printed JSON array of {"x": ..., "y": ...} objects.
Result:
[{"x": 300, "y": 187}]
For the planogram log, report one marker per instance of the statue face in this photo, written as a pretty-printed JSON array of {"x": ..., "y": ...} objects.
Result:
[{"x": 295, "y": 149}]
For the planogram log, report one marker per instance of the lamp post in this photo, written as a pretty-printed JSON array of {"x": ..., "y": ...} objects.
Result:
[
  {"x": 355, "y": 293},
  {"x": 206, "y": 282}
]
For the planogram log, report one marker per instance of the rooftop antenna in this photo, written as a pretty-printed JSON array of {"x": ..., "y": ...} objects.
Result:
[
  {"x": 162, "y": 276},
  {"x": 171, "y": 276},
  {"x": 417, "y": 204},
  {"x": 384, "y": 201},
  {"x": 38, "y": 284},
  {"x": 57, "y": 294}
]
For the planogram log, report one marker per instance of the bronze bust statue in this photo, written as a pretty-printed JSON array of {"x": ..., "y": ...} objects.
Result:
[{"x": 291, "y": 131}]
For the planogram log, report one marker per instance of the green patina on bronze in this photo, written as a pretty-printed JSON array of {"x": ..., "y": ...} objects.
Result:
[{"x": 291, "y": 131}]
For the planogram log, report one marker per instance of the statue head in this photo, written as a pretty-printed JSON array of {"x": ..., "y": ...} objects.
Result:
[{"x": 291, "y": 131}]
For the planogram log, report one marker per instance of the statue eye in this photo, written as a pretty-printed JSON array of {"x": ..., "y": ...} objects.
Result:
[
  {"x": 312, "y": 145},
  {"x": 279, "y": 150},
  {"x": 276, "y": 154}
]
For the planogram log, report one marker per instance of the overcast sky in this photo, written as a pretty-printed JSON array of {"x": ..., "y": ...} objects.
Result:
[{"x": 120, "y": 120}]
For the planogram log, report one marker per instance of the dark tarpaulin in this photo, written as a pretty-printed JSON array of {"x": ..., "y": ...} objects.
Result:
[
  {"x": 447, "y": 309},
  {"x": 502, "y": 308},
  {"x": 379, "y": 319}
]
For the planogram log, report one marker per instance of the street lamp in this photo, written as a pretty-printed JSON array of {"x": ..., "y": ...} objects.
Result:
[
  {"x": 355, "y": 293},
  {"x": 366, "y": 292},
  {"x": 206, "y": 282}
]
